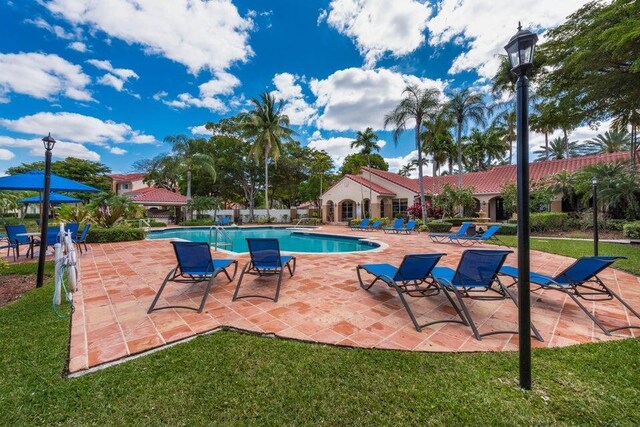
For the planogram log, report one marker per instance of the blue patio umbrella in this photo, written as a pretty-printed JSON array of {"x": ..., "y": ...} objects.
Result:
[
  {"x": 34, "y": 181},
  {"x": 54, "y": 199}
]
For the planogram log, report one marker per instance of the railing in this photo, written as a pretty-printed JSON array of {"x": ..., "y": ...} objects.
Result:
[
  {"x": 142, "y": 222},
  {"x": 220, "y": 239},
  {"x": 305, "y": 219}
]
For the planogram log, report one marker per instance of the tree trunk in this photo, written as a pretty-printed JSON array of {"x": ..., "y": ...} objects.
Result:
[
  {"x": 566, "y": 142},
  {"x": 436, "y": 166},
  {"x": 266, "y": 182},
  {"x": 546, "y": 145},
  {"x": 423, "y": 204},
  {"x": 370, "y": 189},
  {"x": 189, "y": 212},
  {"x": 459, "y": 154},
  {"x": 510, "y": 151}
]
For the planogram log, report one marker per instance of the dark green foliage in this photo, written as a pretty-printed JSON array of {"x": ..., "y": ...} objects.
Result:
[
  {"x": 439, "y": 226},
  {"x": 457, "y": 222},
  {"x": 119, "y": 233},
  {"x": 508, "y": 229},
  {"x": 196, "y": 222},
  {"x": 548, "y": 221},
  {"x": 631, "y": 230},
  {"x": 354, "y": 162}
]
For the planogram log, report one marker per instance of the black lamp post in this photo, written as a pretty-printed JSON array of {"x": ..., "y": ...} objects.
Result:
[
  {"x": 594, "y": 196},
  {"x": 48, "y": 142},
  {"x": 520, "y": 51}
]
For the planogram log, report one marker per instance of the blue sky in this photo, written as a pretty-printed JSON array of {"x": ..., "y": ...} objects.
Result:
[{"x": 111, "y": 79}]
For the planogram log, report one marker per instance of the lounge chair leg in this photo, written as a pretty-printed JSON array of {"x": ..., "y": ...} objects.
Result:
[
  {"x": 588, "y": 313},
  {"x": 206, "y": 293},
  {"x": 515, "y": 301},
  {"x": 467, "y": 314},
  {"x": 406, "y": 306},
  {"x": 455, "y": 306},
  {"x": 166, "y": 280},
  {"x": 235, "y": 270},
  {"x": 616, "y": 296},
  {"x": 278, "y": 285},
  {"x": 362, "y": 285},
  {"x": 244, "y": 270}
]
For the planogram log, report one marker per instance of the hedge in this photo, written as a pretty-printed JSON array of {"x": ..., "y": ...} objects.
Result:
[
  {"x": 507, "y": 229},
  {"x": 157, "y": 224},
  {"x": 631, "y": 230},
  {"x": 115, "y": 234},
  {"x": 197, "y": 222},
  {"x": 439, "y": 226},
  {"x": 457, "y": 222},
  {"x": 548, "y": 221}
]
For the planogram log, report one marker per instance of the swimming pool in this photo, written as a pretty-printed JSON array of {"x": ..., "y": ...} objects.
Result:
[{"x": 290, "y": 240}]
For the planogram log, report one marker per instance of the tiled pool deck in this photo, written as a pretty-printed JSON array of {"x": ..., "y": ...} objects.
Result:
[{"x": 322, "y": 303}]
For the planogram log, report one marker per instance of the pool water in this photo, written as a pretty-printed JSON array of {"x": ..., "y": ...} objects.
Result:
[{"x": 290, "y": 240}]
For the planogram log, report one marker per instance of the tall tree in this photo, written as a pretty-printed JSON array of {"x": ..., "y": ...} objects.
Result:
[
  {"x": 414, "y": 107},
  {"x": 609, "y": 142},
  {"x": 467, "y": 107},
  {"x": 595, "y": 55},
  {"x": 85, "y": 171},
  {"x": 269, "y": 128},
  {"x": 367, "y": 143},
  {"x": 558, "y": 150},
  {"x": 353, "y": 163},
  {"x": 320, "y": 165},
  {"x": 506, "y": 122},
  {"x": 437, "y": 136},
  {"x": 544, "y": 121}
]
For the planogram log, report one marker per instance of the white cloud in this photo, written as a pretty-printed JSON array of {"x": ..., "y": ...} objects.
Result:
[
  {"x": 395, "y": 163},
  {"x": 117, "y": 151},
  {"x": 62, "y": 149},
  {"x": 115, "y": 77},
  {"x": 77, "y": 128},
  {"x": 42, "y": 76},
  {"x": 354, "y": 99},
  {"x": 580, "y": 134},
  {"x": 337, "y": 147},
  {"x": 222, "y": 84},
  {"x": 54, "y": 29},
  {"x": 295, "y": 106},
  {"x": 79, "y": 46},
  {"x": 486, "y": 26},
  {"x": 380, "y": 26},
  {"x": 160, "y": 95},
  {"x": 200, "y": 130},
  {"x": 198, "y": 34},
  {"x": 6, "y": 154}
]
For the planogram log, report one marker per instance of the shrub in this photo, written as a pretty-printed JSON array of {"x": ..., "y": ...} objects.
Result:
[
  {"x": 615, "y": 224},
  {"x": 631, "y": 230},
  {"x": 196, "y": 222},
  {"x": 439, "y": 226},
  {"x": 423, "y": 228},
  {"x": 355, "y": 222},
  {"x": 119, "y": 233},
  {"x": 457, "y": 222},
  {"x": 548, "y": 221},
  {"x": 508, "y": 229},
  {"x": 153, "y": 223}
]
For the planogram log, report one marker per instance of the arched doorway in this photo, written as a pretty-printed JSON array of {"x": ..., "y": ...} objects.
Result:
[
  {"x": 330, "y": 211},
  {"x": 366, "y": 206},
  {"x": 382, "y": 208},
  {"x": 347, "y": 210}
]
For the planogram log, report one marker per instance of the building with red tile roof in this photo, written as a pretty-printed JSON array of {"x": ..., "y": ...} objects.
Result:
[
  {"x": 123, "y": 183},
  {"x": 152, "y": 196},
  {"x": 392, "y": 193}
]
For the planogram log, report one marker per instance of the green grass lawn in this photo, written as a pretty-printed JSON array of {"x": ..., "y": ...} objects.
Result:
[
  {"x": 231, "y": 378},
  {"x": 578, "y": 248}
]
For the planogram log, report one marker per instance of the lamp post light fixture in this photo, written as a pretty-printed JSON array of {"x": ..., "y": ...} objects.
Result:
[
  {"x": 594, "y": 196},
  {"x": 49, "y": 143},
  {"x": 520, "y": 51}
]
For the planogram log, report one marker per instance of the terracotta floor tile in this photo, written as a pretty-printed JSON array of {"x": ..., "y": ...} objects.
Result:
[{"x": 322, "y": 302}]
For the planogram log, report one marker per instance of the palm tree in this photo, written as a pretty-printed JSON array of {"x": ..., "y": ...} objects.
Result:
[
  {"x": 483, "y": 147},
  {"x": 506, "y": 122},
  {"x": 320, "y": 165},
  {"x": 415, "y": 105},
  {"x": 611, "y": 142},
  {"x": 558, "y": 150},
  {"x": 407, "y": 169},
  {"x": 543, "y": 122},
  {"x": 268, "y": 127},
  {"x": 437, "y": 136},
  {"x": 367, "y": 143},
  {"x": 617, "y": 186},
  {"x": 624, "y": 118},
  {"x": 466, "y": 106},
  {"x": 563, "y": 182},
  {"x": 186, "y": 151}
]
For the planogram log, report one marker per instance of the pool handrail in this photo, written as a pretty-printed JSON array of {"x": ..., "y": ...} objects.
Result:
[{"x": 227, "y": 242}]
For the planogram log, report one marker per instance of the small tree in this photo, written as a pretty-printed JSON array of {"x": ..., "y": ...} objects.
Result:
[
  {"x": 452, "y": 197},
  {"x": 509, "y": 195},
  {"x": 198, "y": 204}
]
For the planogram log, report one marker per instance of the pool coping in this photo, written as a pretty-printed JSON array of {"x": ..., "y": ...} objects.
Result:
[{"x": 372, "y": 241}]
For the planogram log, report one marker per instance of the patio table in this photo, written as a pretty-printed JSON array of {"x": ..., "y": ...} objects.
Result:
[{"x": 32, "y": 236}]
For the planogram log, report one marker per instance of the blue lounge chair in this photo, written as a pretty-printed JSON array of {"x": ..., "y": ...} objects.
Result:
[
  {"x": 16, "y": 241},
  {"x": 83, "y": 237},
  {"x": 364, "y": 224},
  {"x": 490, "y": 234},
  {"x": 580, "y": 280},
  {"x": 409, "y": 228},
  {"x": 477, "y": 278},
  {"x": 195, "y": 265},
  {"x": 265, "y": 259},
  {"x": 73, "y": 227},
  {"x": 413, "y": 278},
  {"x": 396, "y": 227},
  {"x": 446, "y": 237},
  {"x": 375, "y": 226}
]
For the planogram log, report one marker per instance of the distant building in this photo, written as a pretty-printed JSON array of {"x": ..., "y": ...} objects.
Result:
[
  {"x": 124, "y": 183},
  {"x": 392, "y": 194}
]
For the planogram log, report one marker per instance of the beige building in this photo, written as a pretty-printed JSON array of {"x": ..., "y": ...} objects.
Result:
[
  {"x": 125, "y": 183},
  {"x": 375, "y": 193}
]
